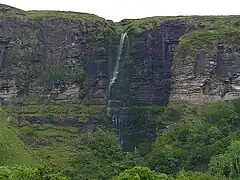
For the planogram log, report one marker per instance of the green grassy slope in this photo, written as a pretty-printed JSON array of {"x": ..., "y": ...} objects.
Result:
[
  {"x": 49, "y": 143},
  {"x": 12, "y": 149}
]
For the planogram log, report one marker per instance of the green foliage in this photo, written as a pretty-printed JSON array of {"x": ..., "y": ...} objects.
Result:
[
  {"x": 100, "y": 157},
  {"x": 140, "y": 25},
  {"x": 194, "y": 22},
  {"x": 210, "y": 31},
  {"x": 202, "y": 132},
  {"x": 62, "y": 112},
  {"x": 183, "y": 175},
  {"x": 88, "y": 155},
  {"x": 196, "y": 134},
  {"x": 50, "y": 143},
  {"x": 12, "y": 12},
  {"x": 55, "y": 73},
  {"x": 205, "y": 40},
  {"x": 38, "y": 15},
  {"x": 144, "y": 173},
  {"x": 141, "y": 173},
  {"x": 12, "y": 150},
  {"x": 28, "y": 173},
  {"x": 228, "y": 163},
  {"x": 224, "y": 115}
]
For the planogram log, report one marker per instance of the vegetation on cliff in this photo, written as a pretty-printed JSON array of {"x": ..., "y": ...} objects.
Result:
[
  {"x": 141, "y": 173},
  {"x": 29, "y": 173},
  {"x": 7, "y": 11},
  {"x": 12, "y": 149},
  {"x": 198, "y": 138},
  {"x": 209, "y": 33},
  {"x": 194, "y": 22}
]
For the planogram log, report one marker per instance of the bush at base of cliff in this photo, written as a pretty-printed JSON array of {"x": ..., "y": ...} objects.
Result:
[
  {"x": 228, "y": 163},
  {"x": 141, "y": 173},
  {"x": 183, "y": 175},
  {"x": 202, "y": 132},
  {"x": 100, "y": 157},
  {"x": 20, "y": 172},
  {"x": 144, "y": 173}
]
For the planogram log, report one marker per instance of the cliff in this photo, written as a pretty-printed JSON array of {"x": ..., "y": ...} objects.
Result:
[
  {"x": 193, "y": 59},
  {"x": 55, "y": 69},
  {"x": 65, "y": 56},
  {"x": 53, "y": 55},
  {"x": 206, "y": 63}
]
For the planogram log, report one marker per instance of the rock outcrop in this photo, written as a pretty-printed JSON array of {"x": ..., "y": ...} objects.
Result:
[
  {"x": 206, "y": 65},
  {"x": 152, "y": 59},
  {"x": 53, "y": 55}
]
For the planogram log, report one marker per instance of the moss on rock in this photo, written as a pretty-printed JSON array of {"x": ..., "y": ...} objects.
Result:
[{"x": 209, "y": 32}]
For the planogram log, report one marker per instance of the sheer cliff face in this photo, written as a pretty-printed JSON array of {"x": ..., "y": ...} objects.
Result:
[
  {"x": 69, "y": 56},
  {"x": 211, "y": 76},
  {"x": 53, "y": 55},
  {"x": 194, "y": 59},
  {"x": 151, "y": 55},
  {"x": 207, "y": 64}
]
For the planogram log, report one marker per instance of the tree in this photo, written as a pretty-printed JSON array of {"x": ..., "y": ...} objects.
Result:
[
  {"x": 141, "y": 173},
  {"x": 22, "y": 172},
  {"x": 228, "y": 163},
  {"x": 100, "y": 157},
  {"x": 183, "y": 175}
]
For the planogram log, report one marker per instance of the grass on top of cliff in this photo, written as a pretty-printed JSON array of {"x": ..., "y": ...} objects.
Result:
[
  {"x": 210, "y": 31},
  {"x": 205, "y": 40},
  {"x": 35, "y": 15},
  {"x": 38, "y": 15},
  {"x": 197, "y": 22},
  {"x": 140, "y": 25},
  {"x": 143, "y": 24}
]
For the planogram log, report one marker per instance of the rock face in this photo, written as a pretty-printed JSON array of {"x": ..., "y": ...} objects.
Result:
[
  {"x": 209, "y": 70},
  {"x": 66, "y": 56},
  {"x": 53, "y": 55},
  {"x": 152, "y": 60},
  {"x": 211, "y": 77}
]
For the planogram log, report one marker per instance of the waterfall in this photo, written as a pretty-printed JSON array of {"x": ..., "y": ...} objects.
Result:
[
  {"x": 114, "y": 109},
  {"x": 115, "y": 70}
]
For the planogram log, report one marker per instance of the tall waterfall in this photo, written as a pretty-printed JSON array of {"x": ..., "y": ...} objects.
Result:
[
  {"x": 114, "y": 111},
  {"x": 115, "y": 71},
  {"x": 131, "y": 123}
]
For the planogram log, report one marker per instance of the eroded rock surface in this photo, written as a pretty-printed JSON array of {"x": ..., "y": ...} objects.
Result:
[
  {"x": 56, "y": 55},
  {"x": 210, "y": 74}
]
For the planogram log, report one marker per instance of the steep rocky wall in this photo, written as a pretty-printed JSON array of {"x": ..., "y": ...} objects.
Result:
[
  {"x": 201, "y": 52},
  {"x": 53, "y": 55},
  {"x": 206, "y": 65},
  {"x": 145, "y": 74},
  {"x": 153, "y": 58}
]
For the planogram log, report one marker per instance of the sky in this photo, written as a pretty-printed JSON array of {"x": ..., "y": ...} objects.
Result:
[{"x": 117, "y": 10}]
